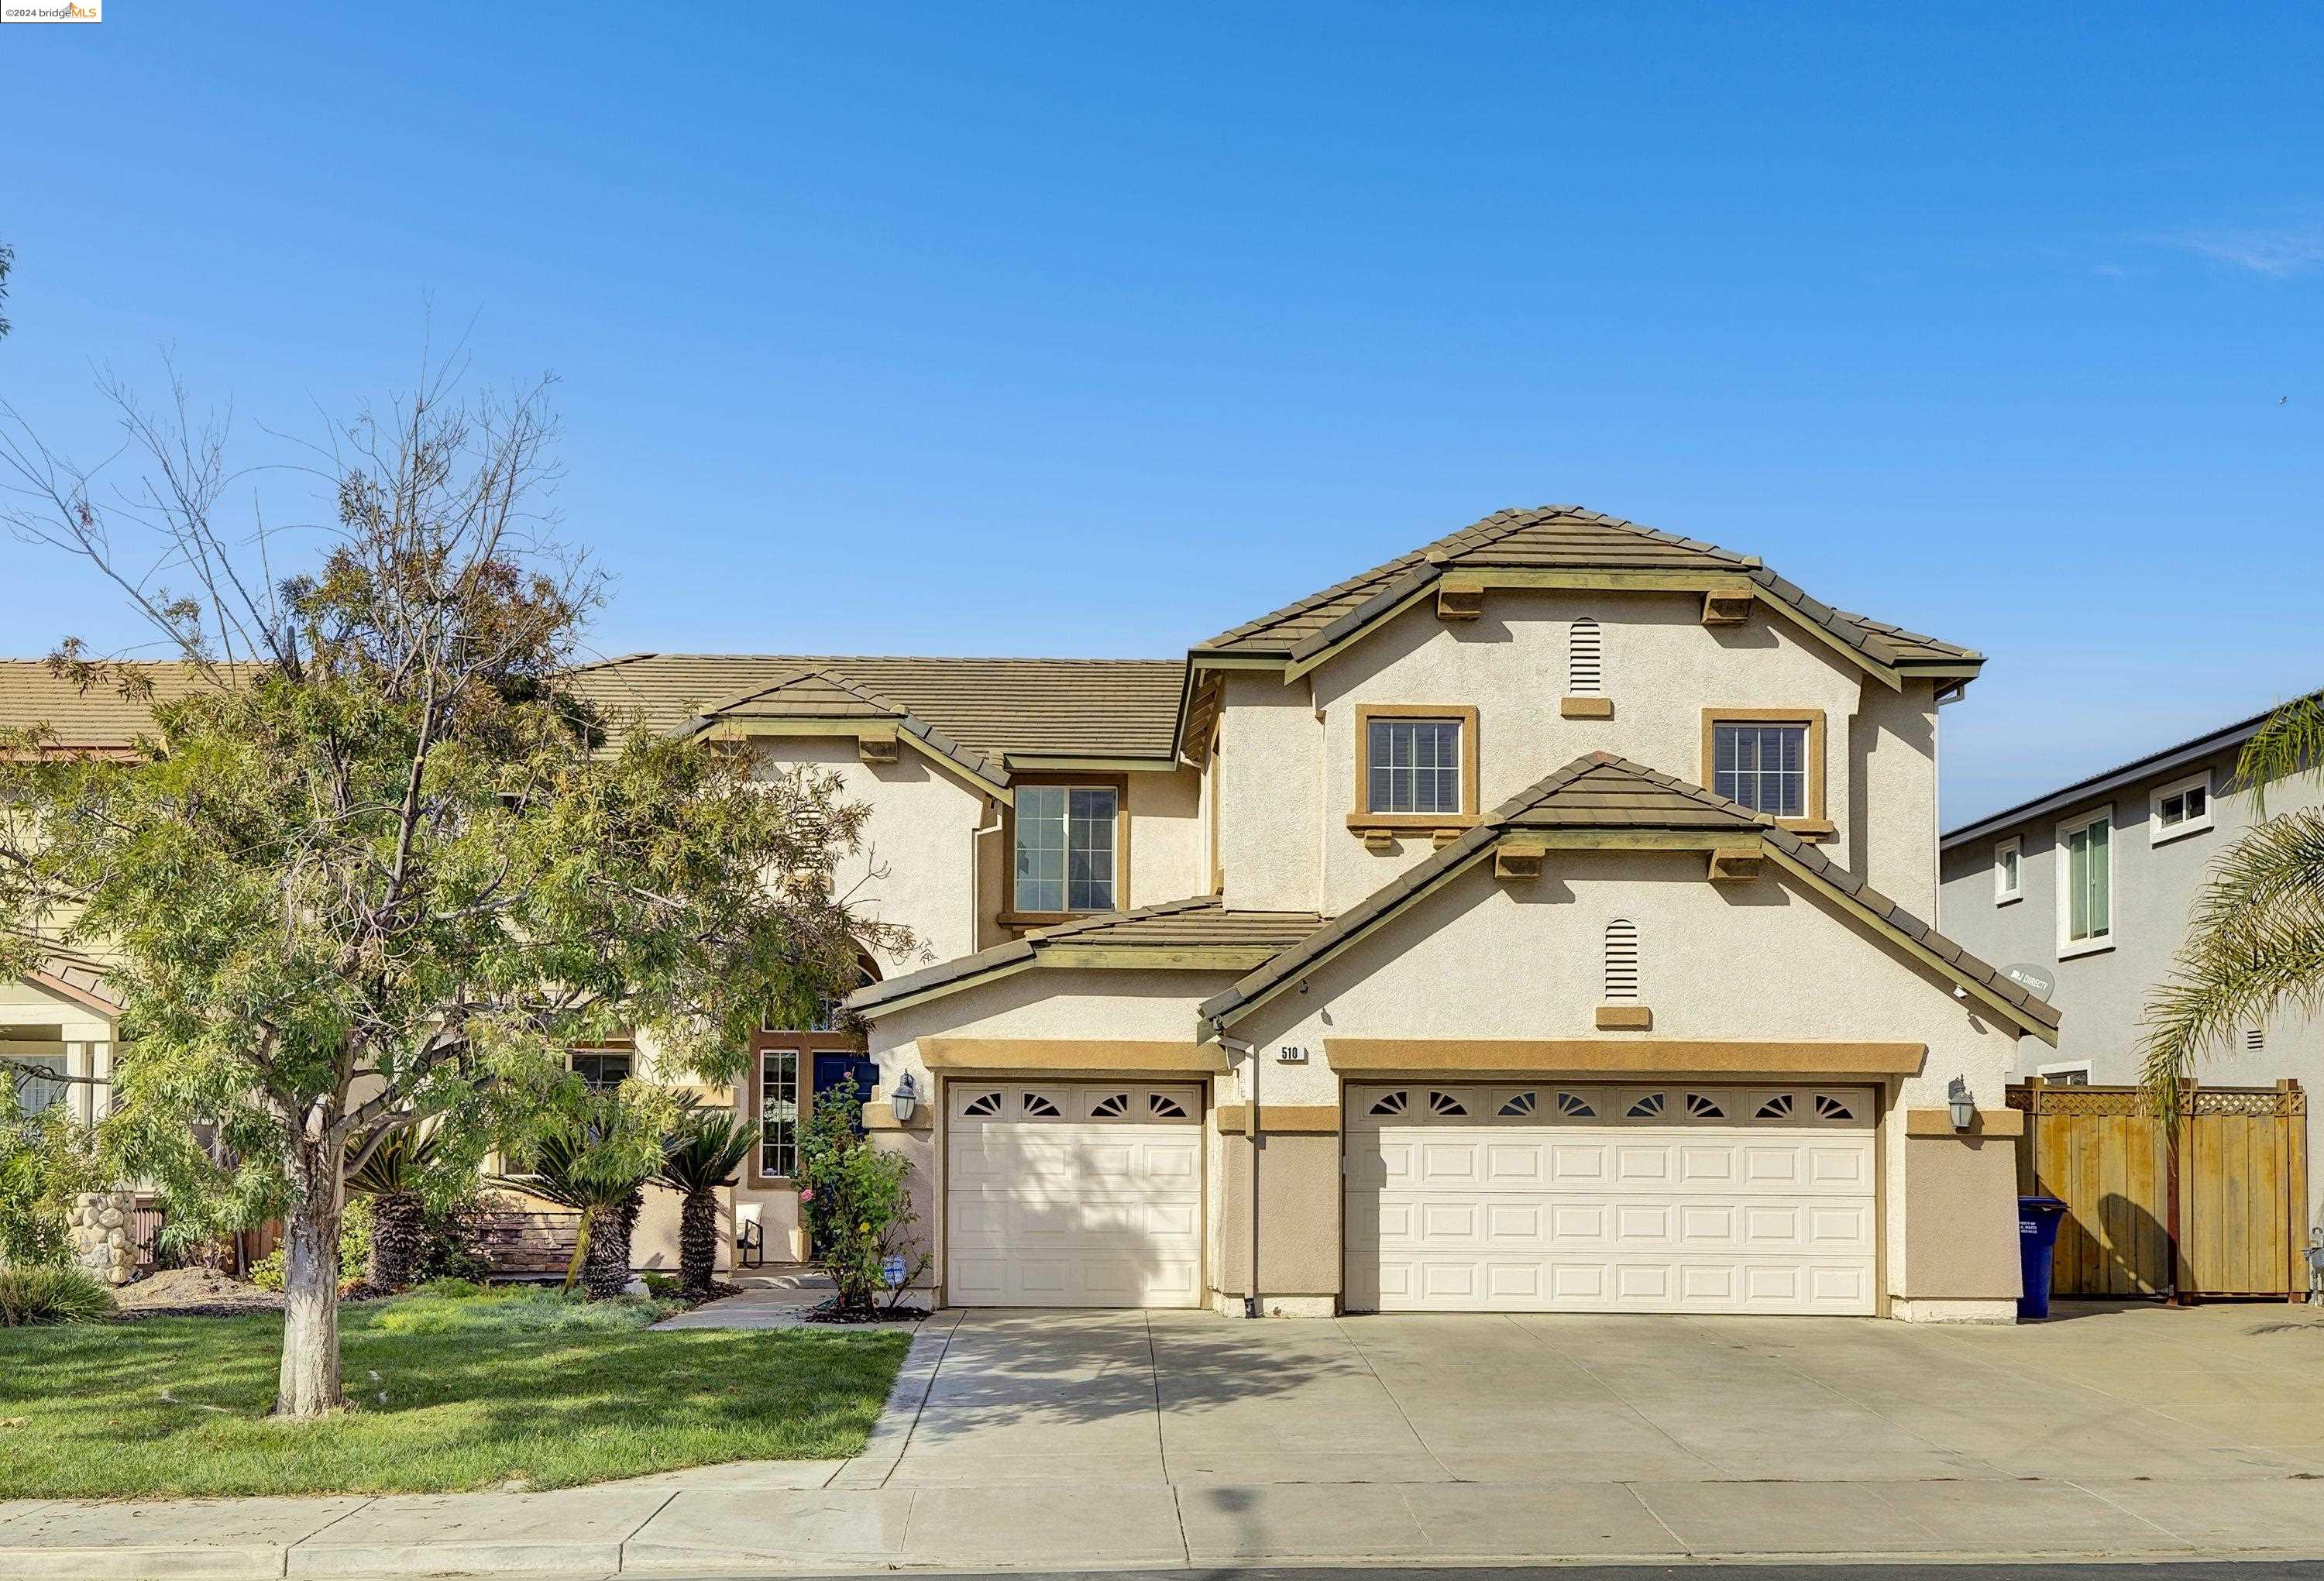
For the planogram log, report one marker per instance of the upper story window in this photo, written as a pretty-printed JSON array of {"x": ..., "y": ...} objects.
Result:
[
  {"x": 2009, "y": 871},
  {"x": 2180, "y": 808},
  {"x": 1066, "y": 847},
  {"x": 1771, "y": 763},
  {"x": 39, "y": 1080},
  {"x": 603, "y": 1071},
  {"x": 1414, "y": 766},
  {"x": 2086, "y": 883}
]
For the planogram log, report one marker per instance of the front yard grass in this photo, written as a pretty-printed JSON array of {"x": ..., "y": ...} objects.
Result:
[{"x": 505, "y": 1390}]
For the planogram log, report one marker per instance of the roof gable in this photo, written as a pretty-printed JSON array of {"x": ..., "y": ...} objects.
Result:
[
  {"x": 1551, "y": 539},
  {"x": 1603, "y": 794}
]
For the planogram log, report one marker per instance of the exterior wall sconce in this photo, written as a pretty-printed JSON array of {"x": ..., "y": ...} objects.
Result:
[
  {"x": 1962, "y": 1103},
  {"x": 905, "y": 1099}
]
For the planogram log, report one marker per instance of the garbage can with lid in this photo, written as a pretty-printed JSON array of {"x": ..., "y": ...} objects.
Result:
[{"x": 2037, "y": 1233}]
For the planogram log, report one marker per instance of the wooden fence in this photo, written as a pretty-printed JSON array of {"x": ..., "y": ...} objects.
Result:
[{"x": 2223, "y": 1213}]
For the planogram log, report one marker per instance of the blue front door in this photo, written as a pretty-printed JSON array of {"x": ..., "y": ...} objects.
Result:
[{"x": 832, "y": 1071}]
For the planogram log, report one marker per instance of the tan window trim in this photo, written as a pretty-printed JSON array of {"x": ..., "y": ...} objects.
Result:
[
  {"x": 1118, "y": 783},
  {"x": 1362, "y": 819},
  {"x": 806, "y": 1045},
  {"x": 1818, "y": 824}
]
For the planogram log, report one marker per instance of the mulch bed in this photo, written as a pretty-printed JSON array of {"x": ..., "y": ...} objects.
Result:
[
  {"x": 829, "y": 1312},
  {"x": 194, "y": 1292}
]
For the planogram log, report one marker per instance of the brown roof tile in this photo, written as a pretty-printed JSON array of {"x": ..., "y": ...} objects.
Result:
[
  {"x": 1561, "y": 536},
  {"x": 99, "y": 720}
]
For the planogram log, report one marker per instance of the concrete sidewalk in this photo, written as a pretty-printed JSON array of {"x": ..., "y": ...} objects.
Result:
[{"x": 1071, "y": 1441}]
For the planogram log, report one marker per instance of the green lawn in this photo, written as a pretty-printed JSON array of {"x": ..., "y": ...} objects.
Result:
[{"x": 449, "y": 1393}]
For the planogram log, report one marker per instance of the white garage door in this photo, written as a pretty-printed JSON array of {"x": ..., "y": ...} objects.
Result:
[
  {"x": 1547, "y": 1197},
  {"x": 1074, "y": 1194}
]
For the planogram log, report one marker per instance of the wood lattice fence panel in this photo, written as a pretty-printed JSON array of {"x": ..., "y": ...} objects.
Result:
[{"x": 2223, "y": 1213}]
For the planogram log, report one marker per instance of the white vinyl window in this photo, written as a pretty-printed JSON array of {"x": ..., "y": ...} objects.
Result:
[
  {"x": 779, "y": 1113},
  {"x": 2086, "y": 883},
  {"x": 39, "y": 1080},
  {"x": 2073, "y": 1073},
  {"x": 1585, "y": 660},
  {"x": 1415, "y": 766},
  {"x": 1066, "y": 847},
  {"x": 2181, "y": 808},
  {"x": 1765, "y": 766},
  {"x": 2008, "y": 872}
]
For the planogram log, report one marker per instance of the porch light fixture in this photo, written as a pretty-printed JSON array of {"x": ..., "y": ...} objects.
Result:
[
  {"x": 1963, "y": 1105},
  {"x": 905, "y": 1099}
]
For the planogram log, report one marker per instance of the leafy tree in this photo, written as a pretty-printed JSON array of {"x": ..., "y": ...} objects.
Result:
[
  {"x": 7, "y": 261},
  {"x": 378, "y": 866},
  {"x": 2255, "y": 945},
  {"x": 704, "y": 1156}
]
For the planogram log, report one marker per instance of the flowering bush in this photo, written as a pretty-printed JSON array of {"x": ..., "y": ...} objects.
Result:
[{"x": 856, "y": 1200}]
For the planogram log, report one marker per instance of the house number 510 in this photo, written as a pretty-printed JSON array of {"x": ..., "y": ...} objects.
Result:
[{"x": 1291, "y": 1053}]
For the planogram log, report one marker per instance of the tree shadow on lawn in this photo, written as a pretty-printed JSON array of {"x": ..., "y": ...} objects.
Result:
[{"x": 176, "y": 1406}]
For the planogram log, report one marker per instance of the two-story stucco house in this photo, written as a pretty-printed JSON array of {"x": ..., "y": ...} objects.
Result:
[
  {"x": 1532, "y": 923},
  {"x": 2094, "y": 884}
]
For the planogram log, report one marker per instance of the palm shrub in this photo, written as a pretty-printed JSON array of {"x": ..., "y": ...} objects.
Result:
[
  {"x": 595, "y": 1158},
  {"x": 2254, "y": 945},
  {"x": 31, "y": 1296},
  {"x": 391, "y": 1169},
  {"x": 704, "y": 1156}
]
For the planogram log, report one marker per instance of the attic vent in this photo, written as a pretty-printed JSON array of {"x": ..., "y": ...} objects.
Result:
[
  {"x": 1585, "y": 670},
  {"x": 1621, "y": 960},
  {"x": 2255, "y": 1039}
]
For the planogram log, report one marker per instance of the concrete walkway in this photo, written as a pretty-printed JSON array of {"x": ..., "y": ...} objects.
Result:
[{"x": 1166, "y": 1440}]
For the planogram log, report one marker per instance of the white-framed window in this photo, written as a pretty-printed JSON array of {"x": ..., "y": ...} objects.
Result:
[
  {"x": 1414, "y": 766},
  {"x": 2181, "y": 808},
  {"x": 779, "y": 1113},
  {"x": 1585, "y": 660},
  {"x": 2069, "y": 1073},
  {"x": 1765, "y": 766},
  {"x": 39, "y": 1080},
  {"x": 2086, "y": 883},
  {"x": 1066, "y": 847},
  {"x": 2009, "y": 871}
]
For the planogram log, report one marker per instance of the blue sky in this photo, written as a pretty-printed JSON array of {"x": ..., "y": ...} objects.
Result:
[{"x": 911, "y": 329}]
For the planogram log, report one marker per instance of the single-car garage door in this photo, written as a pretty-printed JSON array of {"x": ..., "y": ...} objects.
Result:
[
  {"x": 1074, "y": 1194},
  {"x": 1562, "y": 1197}
]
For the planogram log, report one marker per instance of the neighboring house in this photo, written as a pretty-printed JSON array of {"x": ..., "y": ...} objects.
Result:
[
  {"x": 2094, "y": 884},
  {"x": 1532, "y": 923}
]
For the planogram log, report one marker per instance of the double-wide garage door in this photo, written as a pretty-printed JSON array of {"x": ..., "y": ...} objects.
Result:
[
  {"x": 1550, "y": 1197},
  {"x": 1074, "y": 1194}
]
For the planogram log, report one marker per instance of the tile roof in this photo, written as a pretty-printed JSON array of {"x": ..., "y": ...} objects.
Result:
[
  {"x": 1602, "y": 791},
  {"x": 1553, "y": 537},
  {"x": 989, "y": 707},
  {"x": 99, "y": 720},
  {"x": 1200, "y": 922}
]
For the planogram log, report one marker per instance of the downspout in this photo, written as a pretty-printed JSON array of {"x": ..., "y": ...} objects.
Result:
[{"x": 1251, "y": 1306}]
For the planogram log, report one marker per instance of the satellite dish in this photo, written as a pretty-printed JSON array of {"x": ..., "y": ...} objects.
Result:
[{"x": 2032, "y": 979}]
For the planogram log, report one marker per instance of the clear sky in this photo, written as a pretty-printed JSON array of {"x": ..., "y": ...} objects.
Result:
[{"x": 1094, "y": 329}]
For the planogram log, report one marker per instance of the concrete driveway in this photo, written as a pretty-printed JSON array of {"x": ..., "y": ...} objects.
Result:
[{"x": 2111, "y": 1431}]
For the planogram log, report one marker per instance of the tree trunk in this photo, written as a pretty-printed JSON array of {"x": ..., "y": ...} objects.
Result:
[
  {"x": 605, "y": 1270},
  {"x": 307, "y": 1387},
  {"x": 399, "y": 1238},
  {"x": 697, "y": 1241}
]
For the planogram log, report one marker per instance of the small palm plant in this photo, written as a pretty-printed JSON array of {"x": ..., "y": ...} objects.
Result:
[
  {"x": 704, "y": 1156},
  {"x": 2256, "y": 943},
  {"x": 597, "y": 1159},
  {"x": 390, "y": 1171}
]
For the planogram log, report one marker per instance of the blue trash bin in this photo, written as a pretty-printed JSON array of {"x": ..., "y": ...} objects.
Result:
[{"x": 2037, "y": 1233}]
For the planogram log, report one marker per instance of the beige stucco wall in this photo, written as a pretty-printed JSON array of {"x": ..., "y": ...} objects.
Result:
[
  {"x": 1961, "y": 1243},
  {"x": 1168, "y": 859},
  {"x": 1759, "y": 961},
  {"x": 1270, "y": 808},
  {"x": 1891, "y": 814},
  {"x": 1299, "y": 1212},
  {"x": 919, "y": 865}
]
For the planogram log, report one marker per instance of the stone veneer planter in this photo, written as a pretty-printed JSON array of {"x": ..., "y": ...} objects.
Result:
[{"x": 98, "y": 1224}]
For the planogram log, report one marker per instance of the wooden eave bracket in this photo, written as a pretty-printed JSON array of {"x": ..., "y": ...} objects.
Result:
[
  {"x": 876, "y": 749},
  {"x": 1459, "y": 601},
  {"x": 1723, "y": 606},
  {"x": 1517, "y": 861},
  {"x": 1735, "y": 864}
]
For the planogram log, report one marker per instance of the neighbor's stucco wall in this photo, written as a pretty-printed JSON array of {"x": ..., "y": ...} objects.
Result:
[
  {"x": 1168, "y": 856},
  {"x": 1270, "y": 808},
  {"x": 2154, "y": 888}
]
